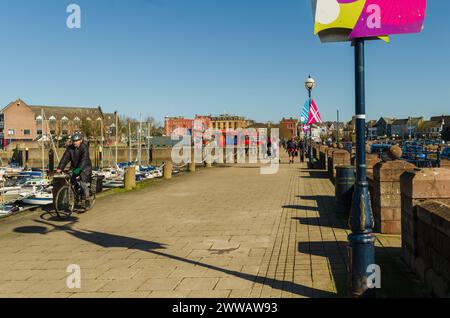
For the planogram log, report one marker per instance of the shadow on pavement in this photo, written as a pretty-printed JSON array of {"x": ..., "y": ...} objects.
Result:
[
  {"x": 107, "y": 240},
  {"x": 326, "y": 206},
  {"x": 318, "y": 221},
  {"x": 396, "y": 279},
  {"x": 301, "y": 207},
  {"x": 315, "y": 173}
]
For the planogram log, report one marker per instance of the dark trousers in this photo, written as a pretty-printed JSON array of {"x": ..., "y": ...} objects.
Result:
[{"x": 85, "y": 182}]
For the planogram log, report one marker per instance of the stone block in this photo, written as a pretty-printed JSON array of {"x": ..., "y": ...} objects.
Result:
[
  {"x": 390, "y": 227},
  {"x": 429, "y": 183},
  {"x": 391, "y": 170}
]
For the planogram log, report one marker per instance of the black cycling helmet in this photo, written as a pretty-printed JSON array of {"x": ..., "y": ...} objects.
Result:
[{"x": 76, "y": 136}]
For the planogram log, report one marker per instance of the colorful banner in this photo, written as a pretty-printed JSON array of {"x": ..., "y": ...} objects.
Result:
[
  {"x": 305, "y": 112},
  {"x": 344, "y": 20},
  {"x": 314, "y": 114}
]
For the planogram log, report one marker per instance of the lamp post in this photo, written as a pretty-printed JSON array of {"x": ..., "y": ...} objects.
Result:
[
  {"x": 361, "y": 240},
  {"x": 337, "y": 135},
  {"x": 409, "y": 128},
  {"x": 310, "y": 83}
]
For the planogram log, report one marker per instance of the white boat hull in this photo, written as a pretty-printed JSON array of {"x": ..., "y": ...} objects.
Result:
[{"x": 37, "y": 201}]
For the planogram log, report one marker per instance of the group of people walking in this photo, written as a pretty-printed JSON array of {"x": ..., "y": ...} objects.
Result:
[{"x": 295, "y": 148}]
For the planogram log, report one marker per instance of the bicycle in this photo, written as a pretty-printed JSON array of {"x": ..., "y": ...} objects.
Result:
[{"x": 70, "y": 197}]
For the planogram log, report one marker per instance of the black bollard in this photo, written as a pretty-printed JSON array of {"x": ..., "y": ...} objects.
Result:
[{"x": 344, "y": 187}]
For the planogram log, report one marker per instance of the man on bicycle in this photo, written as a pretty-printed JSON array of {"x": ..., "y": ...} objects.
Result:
[{"x": 78, "y": 156}]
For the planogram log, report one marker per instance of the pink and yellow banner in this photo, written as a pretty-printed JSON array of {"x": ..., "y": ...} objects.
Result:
[{"x": 344, "y": 20}]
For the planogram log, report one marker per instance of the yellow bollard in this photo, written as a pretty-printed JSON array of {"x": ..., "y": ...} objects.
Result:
[
  {"x": 192, "y": 164},
  {"x": 167, "y": 172},
  {"x": 130, "y": 178}
]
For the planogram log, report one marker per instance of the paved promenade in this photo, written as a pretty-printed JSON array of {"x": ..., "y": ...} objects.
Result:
[{"x": 221, "y": 232}]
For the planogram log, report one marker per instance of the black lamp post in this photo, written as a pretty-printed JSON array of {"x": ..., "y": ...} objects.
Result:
[
  {"x": 310, "y": 83},
  {"x": 361, "y": 240}
]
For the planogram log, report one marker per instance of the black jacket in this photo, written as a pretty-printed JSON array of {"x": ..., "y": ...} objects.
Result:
[{"x": 78, "y": 158}]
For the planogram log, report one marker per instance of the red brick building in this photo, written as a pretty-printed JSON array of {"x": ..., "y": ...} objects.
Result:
[
  {"x": 173, "y": 123},
  {"x": 20, "y": 122},
  {"x": 291, "y": 125}
]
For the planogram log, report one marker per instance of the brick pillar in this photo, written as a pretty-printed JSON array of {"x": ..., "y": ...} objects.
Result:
[
  {"x": 323, "y": 159},
  {"x": 330, "y": 161},
  {"x": 340, "y": 157},
  {"x": 371, "y": 161},
  {"x": 386, "y": 198},
  {"x": 417, "y": 186}
]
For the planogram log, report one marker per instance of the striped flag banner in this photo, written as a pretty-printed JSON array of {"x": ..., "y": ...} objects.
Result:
[
  {"x": 305, "y": 112},
  {"x": 314, "y": 115}
]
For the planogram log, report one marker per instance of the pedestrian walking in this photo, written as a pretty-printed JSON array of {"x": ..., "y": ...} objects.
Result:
[
  {"x": 301, "y": 147},
  {"x": 291, "y": 149}
]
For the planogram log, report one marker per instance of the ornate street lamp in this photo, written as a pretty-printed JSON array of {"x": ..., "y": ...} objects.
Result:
[{"x": 310, "y": 83}]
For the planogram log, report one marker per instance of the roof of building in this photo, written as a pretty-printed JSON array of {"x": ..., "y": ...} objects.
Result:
[
  {"x": 372, "y": 123},
  {"x": 403, "y": 122},
  {"x": 446, "y": 119},
  {"x": 430, "y": 124},
  {"x": 387, "y": 120},
  {"x": 69, "y": 113}
]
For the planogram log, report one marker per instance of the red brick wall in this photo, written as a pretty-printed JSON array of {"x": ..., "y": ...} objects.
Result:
[{"x": 20, "y": 117}]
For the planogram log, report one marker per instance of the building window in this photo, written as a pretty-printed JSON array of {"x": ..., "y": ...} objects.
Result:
[
  {"x": 11, "y": 132},
  {"x": 39, "y": 132},
  {"x": 26, "y": 132}
]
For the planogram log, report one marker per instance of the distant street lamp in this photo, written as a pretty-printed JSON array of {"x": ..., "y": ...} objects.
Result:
[
  {"x": 310, "y": 83},
  {"x": 410, "y": 129}
]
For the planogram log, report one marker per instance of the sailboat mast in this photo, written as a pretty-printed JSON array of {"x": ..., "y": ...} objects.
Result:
[
  {"x": 129, "y": 141},
  {"x": 101, "y": 143},
  {"x": 140, "y": 139},
  {"x": 148, "y": 143},
  {"x": 117, "y": 133},
  {"x": 42, "y": 139}
]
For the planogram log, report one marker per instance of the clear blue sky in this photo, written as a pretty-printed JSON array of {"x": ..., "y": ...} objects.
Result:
[{"x": 183, "y": 57}]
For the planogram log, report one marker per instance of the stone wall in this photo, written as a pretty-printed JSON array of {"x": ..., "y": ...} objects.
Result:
[
  {"x": 432, "y": 253},
  {"x": 386, "y": 196},
  {"x": 419, "y": 217},
  {"x": 35, "y": 156}
]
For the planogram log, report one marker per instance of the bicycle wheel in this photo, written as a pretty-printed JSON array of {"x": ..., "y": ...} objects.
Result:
[{"x": 64, "y": 202}]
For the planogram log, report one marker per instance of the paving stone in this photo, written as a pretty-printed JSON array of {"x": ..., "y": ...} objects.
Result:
[
  {"x": 160, "y": 284},
  {"x": 197, "y": 284},
  {"x": 123, "y": 285}
]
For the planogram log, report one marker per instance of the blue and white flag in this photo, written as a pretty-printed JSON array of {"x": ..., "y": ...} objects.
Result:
[{"x": 305, "y": 112}]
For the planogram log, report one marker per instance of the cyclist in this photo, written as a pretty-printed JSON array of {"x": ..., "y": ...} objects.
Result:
[{"x": 78, "y": 155}]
